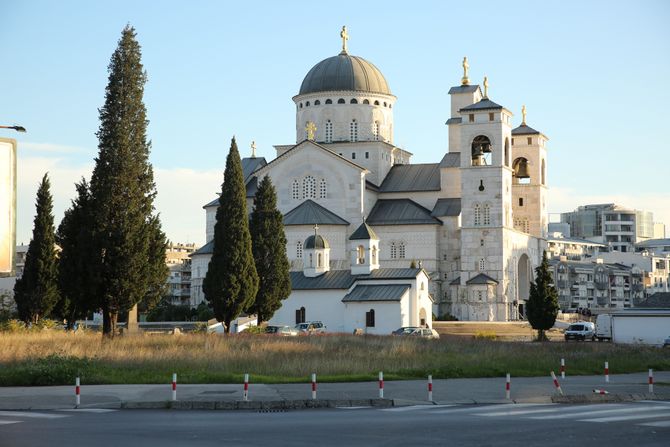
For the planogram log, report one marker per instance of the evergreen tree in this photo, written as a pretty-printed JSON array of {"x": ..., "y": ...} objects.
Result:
[
  {"x": 231, "y": 282},
  {"x": 542, "y": 306},
  {"x": 269, "y": 248},
  {"x": 36, "y": 292},
  {"x": 127, "y": 235},
  {"x": 78, "y": 265}
]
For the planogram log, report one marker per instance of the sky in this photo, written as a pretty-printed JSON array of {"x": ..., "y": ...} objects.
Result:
[{"x": 593, "y": 76}]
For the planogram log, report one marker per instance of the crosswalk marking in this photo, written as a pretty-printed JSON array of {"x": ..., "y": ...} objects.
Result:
[
  {"x": 657, "y": 424},
  {"x": 23, "y": 414},
  {"x": 629, "y": 417},
  {"x": 597, "y": 412},
  {"x": 9, "y": 422}
]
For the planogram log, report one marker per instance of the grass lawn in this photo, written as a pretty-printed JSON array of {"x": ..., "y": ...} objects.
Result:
[{"x": 53, "y": 357}]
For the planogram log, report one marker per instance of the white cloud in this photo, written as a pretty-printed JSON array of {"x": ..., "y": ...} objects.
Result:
[
  {"x": 52, "y": 148},
  {"x": 181, "y": 195}
]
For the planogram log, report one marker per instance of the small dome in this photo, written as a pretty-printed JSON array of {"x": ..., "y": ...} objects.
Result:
[
  {"x": 315, "y": 241},
  {"x": 344, "y": 72}
]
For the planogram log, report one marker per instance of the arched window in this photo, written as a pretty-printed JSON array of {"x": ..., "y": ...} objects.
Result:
[
  {"x": 390, "y": 105},
  {"x": 353, "y": 131},
  {"x": 307, "y": 104},
  {"x": 478, "y": 215},
  {"x": 353, "y": 101},
  {"x": 341, "y": 101},
  {"x": 370, "y": 318},
  {"x": 319, "y": 260},
  {"x": 311, "y": 260},
  {"x": 295, "y": 189},
  {"x": 322, "y": 189},
  {"x": 521, "y": 171},
  {"x": 487, "y": 214},
  {"x": 329, "y": 101},
  {"x": 544, "y": 173},
  {"x": 360, "y": 255},
  {"x": 329, "y": 131},
  {"x": 375, "y": 130},
  {"x": 301, "y": 105},
  {"x": 309, "y": 188},
  {"x": 300, "y": 315},
  {"x": 376, "y": 103},
  {"x": 481, "y": 151},
  {"x": 482, "y": 265},
  {"x": 366, "y": 101},
  {"x": 298, "y": 250},
  {"x": 317, "y": 103},
  {"x": 401, "y": 250},
  {"x": 394, "y": 250},
  {"x": 506, "y": 161},
  {"x": 374, "y": 254},
  {"x": 384, "y": 103}
]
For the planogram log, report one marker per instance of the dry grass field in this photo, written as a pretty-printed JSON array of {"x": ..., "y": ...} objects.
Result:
[{"x": 51, "y": 357}]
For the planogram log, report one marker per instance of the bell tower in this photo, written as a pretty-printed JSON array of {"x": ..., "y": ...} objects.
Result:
[{"x": 529, "y": 184}]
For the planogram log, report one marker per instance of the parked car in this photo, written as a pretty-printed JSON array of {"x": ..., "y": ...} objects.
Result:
[
  {"x": 405, "y": 330},
  {"x": 581, "y": 331},
  {"x": 666, "y": 343},
  {"x": 284, "y": 331},
  {"x": 311, "y": 327}
]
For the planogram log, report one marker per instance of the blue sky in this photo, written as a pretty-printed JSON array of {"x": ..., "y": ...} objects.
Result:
[{"x": 593, "y": 75}]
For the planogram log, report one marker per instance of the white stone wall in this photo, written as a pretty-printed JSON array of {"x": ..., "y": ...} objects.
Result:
[
  {"x": 320, "y": 305},
  {"x": 199, "y": 265},
  {"x": 450, "y": 182},
  {"x": 534, "y": 193},
  {"x": 336, "y": 235},
  {"x": 389, "y": 316},
  {"x": 421, "y": 244}
]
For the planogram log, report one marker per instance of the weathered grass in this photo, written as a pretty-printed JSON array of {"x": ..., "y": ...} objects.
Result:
[{"x": 54, "y": 357}]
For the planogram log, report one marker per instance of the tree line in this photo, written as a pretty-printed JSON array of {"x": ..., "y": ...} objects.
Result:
[{"x": 108, "y": 252}]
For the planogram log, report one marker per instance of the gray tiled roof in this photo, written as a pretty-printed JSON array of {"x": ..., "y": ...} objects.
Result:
[
  {"x": 400, "y": 212},
  {"x": 311, "y": 213},
  {"x": 376, "y": 292},
  {"x": 525, "y": 130},
  {"x": 206, "y": 249},
  {"x": 451, "y": 160},
  {"x": 456, "y": 282},
  {"x": 463, "y": 89},
  {"x": 344, "y": 72},
  {"x": 251, "y": 187},
  {"x": 371, "y": 186},
  {"x": 447, "y": 207},
  {"x": 343, "y": 279},
  {"x": 319, "y": 146},
  {"x": 482, "y": 278},
  {"x": 484, "y": 104},
  {"x": 457, "y": 120},
  {"x": 249, "y": 165},
  {"x": 421, "y": 177},
  {"x": 363, "y": 232}
]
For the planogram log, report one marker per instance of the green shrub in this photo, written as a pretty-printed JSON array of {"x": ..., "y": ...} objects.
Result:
[
  {"x": 485, "y": 335},
  {"x": 13, "y": 326}
]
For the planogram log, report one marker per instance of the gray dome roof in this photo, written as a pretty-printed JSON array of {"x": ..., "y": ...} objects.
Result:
[
  {"x": 344, "y": 72},
  {"x": 315, "y": 241}
]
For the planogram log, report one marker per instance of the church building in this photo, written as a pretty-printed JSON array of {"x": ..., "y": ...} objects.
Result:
[{"x": 376, "y": 242}]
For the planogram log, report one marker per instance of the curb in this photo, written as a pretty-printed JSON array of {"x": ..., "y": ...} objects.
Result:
[
  {"x": 257, "y": 405},
  {"x": 602, "y": 398}
]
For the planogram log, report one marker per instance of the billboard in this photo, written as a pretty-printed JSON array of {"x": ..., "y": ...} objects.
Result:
[{"x": 7, "y": 206}]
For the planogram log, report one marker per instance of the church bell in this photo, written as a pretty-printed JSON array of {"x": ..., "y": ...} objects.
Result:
[{"x": 522, "y": 171}]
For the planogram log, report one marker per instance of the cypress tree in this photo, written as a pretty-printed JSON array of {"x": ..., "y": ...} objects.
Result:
[
  {"x": 78, "y": 265},
  {"x": 542, "y": 306},
  {"x": 36, "y": 292},
  {"x": 231, "y": 282},
  {"x": 269, "y": 248},
  {"x": 122, "y": 190}
]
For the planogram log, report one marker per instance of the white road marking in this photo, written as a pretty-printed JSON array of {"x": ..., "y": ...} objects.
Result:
[
  {"x": 88, "y": 410},
  {"x": 9, "y": 422},
  {"x": 415, "y": 408},
  {"x": 476, "y": 409},
  {"x": 23, "y": 414},
  {"x": 351, "y": 408},
  {"x": 657, "y": 424},
  {"x": 631, "y": 417},
  {"x": 582, "y": 414},
  {"x": 520, "y": 412}
]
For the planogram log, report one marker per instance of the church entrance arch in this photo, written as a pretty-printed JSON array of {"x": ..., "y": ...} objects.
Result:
[{"x": 524, "y": 277}]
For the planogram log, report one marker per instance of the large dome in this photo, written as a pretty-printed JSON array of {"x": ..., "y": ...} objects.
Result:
[{"x": 344, "y": 72}]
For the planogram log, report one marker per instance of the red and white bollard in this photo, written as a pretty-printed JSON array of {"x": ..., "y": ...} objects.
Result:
[
  {"x": 77, "y": 390},
  {"x": 562, "y": 368},
  {"x": 430, "y": 387},
  {"x": 246, "y": 387},
  {"x": 507, "y": 386},
  {"x": 556, "y": 384},
  {"x": 607, "y": 372},
  {"x": 313, "y": 386},
  {"x": 597, "y": 391},
  {"x": 651, "y": 381},
  {"x": 174, "y": 387},
  {"x": 381, "y": 385}
]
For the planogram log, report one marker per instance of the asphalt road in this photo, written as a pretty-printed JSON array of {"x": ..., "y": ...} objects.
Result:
[{"x": 628, "y": 424}]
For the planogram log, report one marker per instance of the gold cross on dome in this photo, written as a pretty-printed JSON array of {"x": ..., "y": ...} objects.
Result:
[
  {"x": 345, "y": 37},
  {"x": 465, "y": 80},
  {"x": 523, "y": 114},
  {"x": 486, "y": 87},
  {"x": 310, "y": 128},
  {"x": 253, "y": 149},
  {"x": 316, "y": 229}
]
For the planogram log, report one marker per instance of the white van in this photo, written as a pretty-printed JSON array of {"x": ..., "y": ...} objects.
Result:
[
  {"x": 582, "y": 330},
  {"x": 604, "y": 327}
]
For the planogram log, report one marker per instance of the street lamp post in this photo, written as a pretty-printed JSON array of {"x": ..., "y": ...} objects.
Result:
[{"x": 16, "y": 128}]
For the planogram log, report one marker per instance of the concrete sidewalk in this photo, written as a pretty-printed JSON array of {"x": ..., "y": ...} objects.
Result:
[{"x": 449, "y": 391}]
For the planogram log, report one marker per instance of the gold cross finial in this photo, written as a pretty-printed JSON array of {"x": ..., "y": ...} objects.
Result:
[
  {"x": 465, "y": 80},
  {"x": 345, "y": 37},
  {"x": 486, "y": 87},
  {"x": 316, "y": 229},
  {"x": 523, "y": 115},
  {"x": 310, "y": 128},
  {"x": 253, "y": 149}
]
